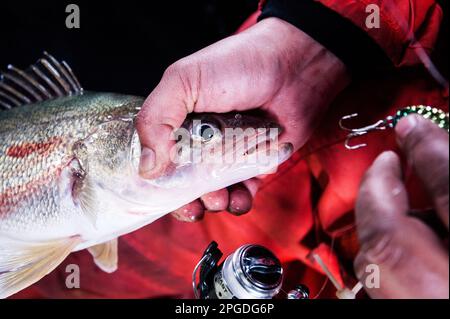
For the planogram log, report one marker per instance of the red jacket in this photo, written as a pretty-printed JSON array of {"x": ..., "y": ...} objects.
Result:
[{"x": 322, "y": 179}]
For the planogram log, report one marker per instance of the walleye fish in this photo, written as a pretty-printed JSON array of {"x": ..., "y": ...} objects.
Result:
[{"x": 69, "y": 170}]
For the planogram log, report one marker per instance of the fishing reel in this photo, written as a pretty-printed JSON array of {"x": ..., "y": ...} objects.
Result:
[{"x": 251, "y": 272}]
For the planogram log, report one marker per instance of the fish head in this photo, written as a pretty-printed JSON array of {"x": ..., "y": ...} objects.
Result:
[
  {"x": 103, "y": 158},
  {"x": 225, "y": 149},
  {"x": 210, "y": 152}
]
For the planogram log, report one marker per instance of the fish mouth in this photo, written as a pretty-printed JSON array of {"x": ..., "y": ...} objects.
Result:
[
  {"x": 250, "y": 147},
  {"x": 283, "y": 151},
  {"x": 260, "y": 148}
]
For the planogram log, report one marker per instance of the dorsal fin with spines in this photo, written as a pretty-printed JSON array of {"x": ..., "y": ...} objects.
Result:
[{"x": 45, "y": 80}]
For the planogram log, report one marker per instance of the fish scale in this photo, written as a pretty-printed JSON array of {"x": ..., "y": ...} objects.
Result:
[{"x": 53, "y": 127}]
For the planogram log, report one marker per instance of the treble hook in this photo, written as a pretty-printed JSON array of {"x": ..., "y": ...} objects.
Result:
[{"x": 355, "y": 132}]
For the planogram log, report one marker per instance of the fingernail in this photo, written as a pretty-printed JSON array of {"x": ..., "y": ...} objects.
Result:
[
  {"x": 405, "y": 126},
  {"x": 147, "y": 162}
]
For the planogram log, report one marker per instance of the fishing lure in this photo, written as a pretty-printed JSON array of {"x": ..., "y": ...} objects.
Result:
[{"x": 436, "y": 115}]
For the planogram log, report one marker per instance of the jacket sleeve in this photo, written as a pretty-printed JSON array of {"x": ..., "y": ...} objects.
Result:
[{"x": 404, "y": 26}]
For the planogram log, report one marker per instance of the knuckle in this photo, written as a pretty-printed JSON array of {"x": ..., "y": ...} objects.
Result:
[
  {"x": 185, "y": 76},
  {"x": 382, "y": 248},
  {"x": 177, "y": 68},
  {"x": 170, "y": 72},
  {"x": 172, "y": 69},
  {"x": 174, "y": 73}
]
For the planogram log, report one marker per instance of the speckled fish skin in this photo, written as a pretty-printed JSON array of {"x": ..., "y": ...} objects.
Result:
[{"x": 38, "y": 143}]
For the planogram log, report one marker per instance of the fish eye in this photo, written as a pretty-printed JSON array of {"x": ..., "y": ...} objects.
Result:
[{"x": 206, "y": 131}]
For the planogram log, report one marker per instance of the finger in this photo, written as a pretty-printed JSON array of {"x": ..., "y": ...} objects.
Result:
[
  {"x": 191, "y": 212},
  {"x": 216, "y": 201},
  {"x": 253, "y": 185},
  {"x": 163, "y": 111},
  {"x": 382, "y": 199},
  {"x": 409, "y": 258},
  {"x": 220, "y": 200},
  {"x": 426, "y": 146},
  {"x": 241, "y": 199},
  {"x": 408, "y": 262}
]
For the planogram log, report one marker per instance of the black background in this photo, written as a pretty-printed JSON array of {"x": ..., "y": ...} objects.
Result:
[
  {"x": 125, "y": 46},
  {"x": 121, "y": 47}
]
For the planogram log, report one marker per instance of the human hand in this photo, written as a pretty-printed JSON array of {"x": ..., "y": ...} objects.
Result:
[
  {"x": 273, "y": 66},
  {"x": 413, "y": 261}
]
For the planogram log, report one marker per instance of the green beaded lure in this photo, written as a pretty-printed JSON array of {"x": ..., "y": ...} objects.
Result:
[{"x": 436, "y": 115}]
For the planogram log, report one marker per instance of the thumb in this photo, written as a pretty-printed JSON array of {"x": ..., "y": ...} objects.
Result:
[{"x": 163, "y": 111}]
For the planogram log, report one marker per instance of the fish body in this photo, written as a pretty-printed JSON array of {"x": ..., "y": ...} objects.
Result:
[
  {"x": 69, "y": 170},
  {"x": 41, "y": 149}
]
